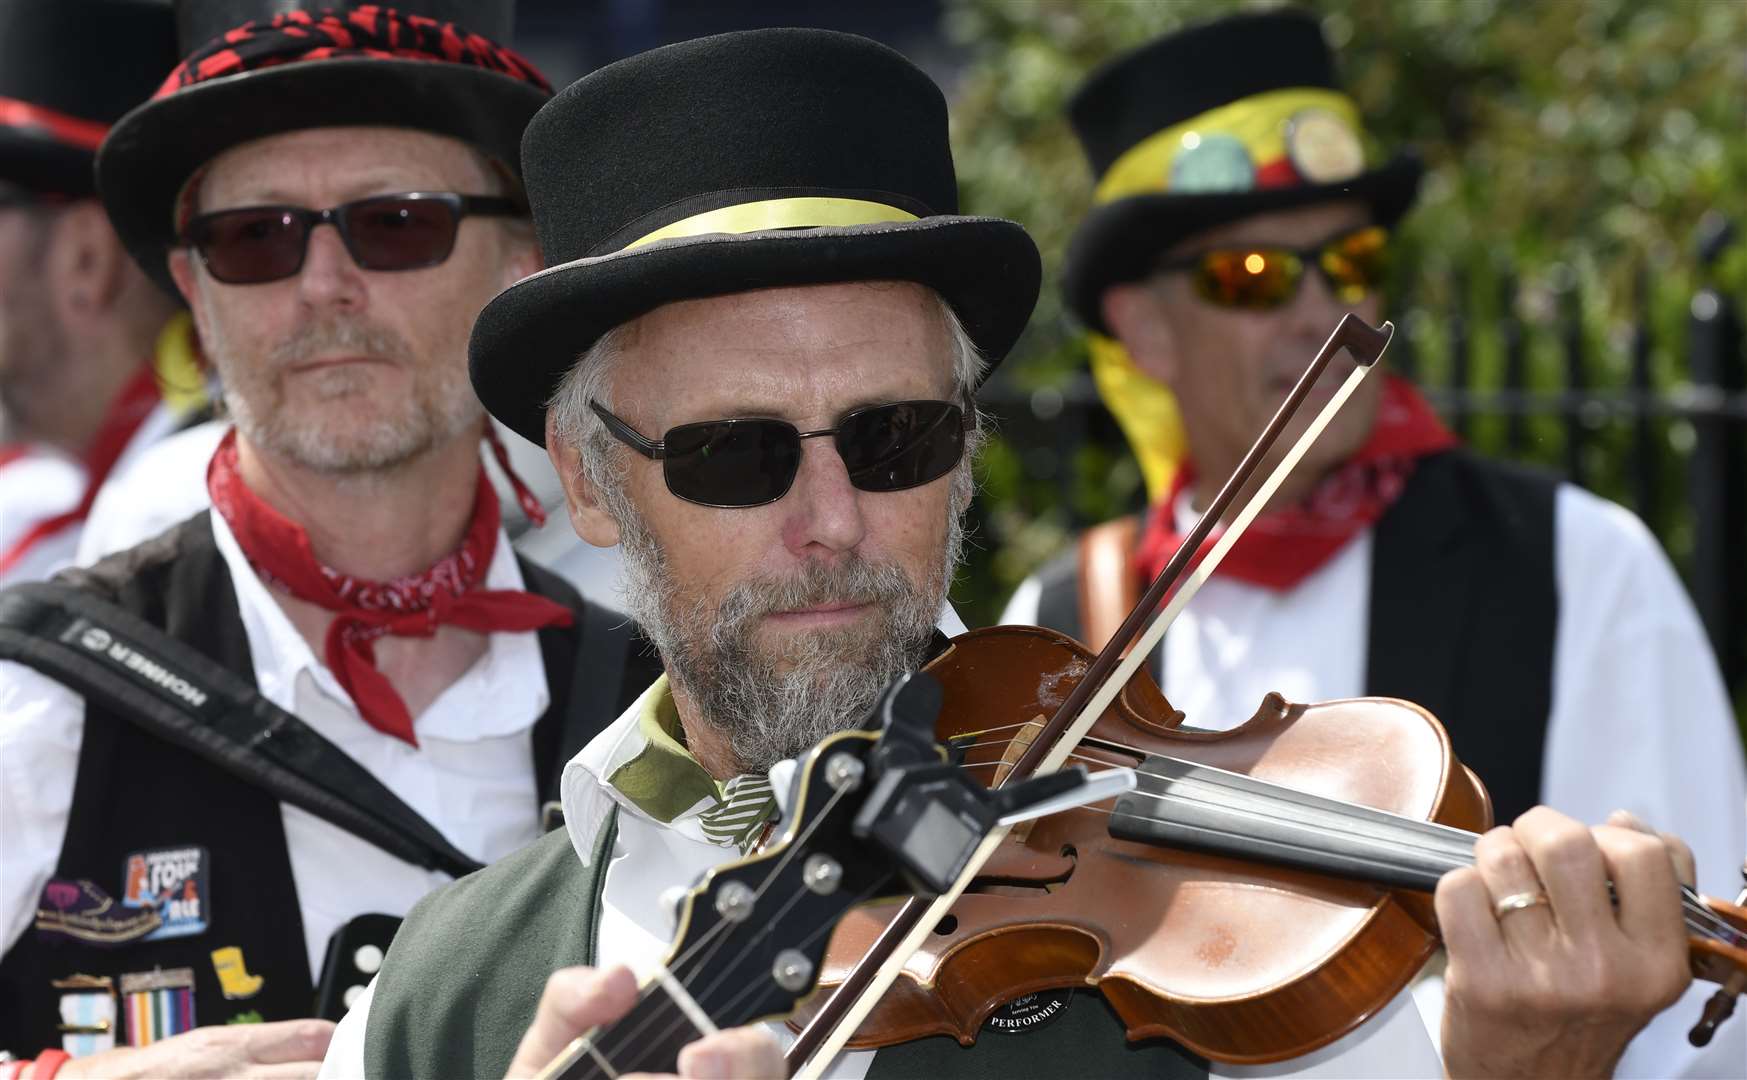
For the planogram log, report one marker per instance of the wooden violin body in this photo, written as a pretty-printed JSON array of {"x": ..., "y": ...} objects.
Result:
[{"x": 1234, "y": 959}]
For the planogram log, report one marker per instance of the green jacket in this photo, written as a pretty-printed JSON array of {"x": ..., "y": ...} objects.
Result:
[{"x": 465, "y": 973}]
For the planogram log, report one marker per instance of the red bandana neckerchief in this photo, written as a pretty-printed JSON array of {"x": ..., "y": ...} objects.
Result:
[
  {"x": 447, "y": 592},
  {"x": 131, "y": 407},
  {"x": 1283, "y": 547}
]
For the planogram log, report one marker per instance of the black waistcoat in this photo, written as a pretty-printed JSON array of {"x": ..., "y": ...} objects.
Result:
[
  {"x": 1463, "y": 613},
  {"x": 134, "y": 792}
]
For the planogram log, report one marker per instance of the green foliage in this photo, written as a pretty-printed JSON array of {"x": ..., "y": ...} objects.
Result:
[{"x": 1572, "y": 148}]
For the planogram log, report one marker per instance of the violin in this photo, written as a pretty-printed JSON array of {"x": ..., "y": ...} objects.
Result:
[{"x": 1262, "y": 891}]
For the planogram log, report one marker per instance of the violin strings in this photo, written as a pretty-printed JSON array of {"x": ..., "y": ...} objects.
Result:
[
  {"x": 1699, "y": 918},
  {"x": 1096, "y": 744},
  {"x": 989, "y": 731},
  {"x": 1719, "y": 929}
]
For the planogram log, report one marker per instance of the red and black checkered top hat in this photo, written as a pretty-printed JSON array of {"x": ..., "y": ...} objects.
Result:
[
  {"x": 68, "y": 70},
  {"x": 254, "y": 68}
]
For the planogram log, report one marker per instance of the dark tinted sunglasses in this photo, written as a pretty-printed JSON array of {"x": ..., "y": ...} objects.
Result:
[
  {"x": 1258, "y": 278},
  {"x": 733, "y": 463},
  {"x": 251, "y": 245}
]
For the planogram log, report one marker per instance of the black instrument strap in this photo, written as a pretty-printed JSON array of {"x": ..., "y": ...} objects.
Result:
[{"x": 182, "y": 696}]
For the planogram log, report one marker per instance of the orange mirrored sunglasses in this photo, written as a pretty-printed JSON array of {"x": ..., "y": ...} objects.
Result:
[{"x": 1259, "y": 278}]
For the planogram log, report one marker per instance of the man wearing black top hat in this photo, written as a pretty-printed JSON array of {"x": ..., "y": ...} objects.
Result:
[
  {"x": 94, "y": 360},
  {"x": 733, "y": 278},
  {"x": 1235, "y": 220},
  {"x": 336, "y": 194}
]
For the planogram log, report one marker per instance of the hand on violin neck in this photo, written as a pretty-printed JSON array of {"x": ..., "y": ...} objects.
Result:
[
  {"x": 1548, "y": 974},
  {"x": 579, "y": 999},
  {"x": 1685, "y": 866}
]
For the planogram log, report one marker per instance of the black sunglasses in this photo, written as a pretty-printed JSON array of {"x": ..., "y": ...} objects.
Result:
[
  {"x": 735, "y": 463},
  {"x": 252, "y": 245}
]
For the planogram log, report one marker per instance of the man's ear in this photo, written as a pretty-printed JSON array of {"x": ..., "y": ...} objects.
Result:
[
  {"x": 587, "y": 516},
  {"x": 1135, "y": 314},
  {"x": 521, "y": 255},
  {"x": 87, "y": 266},
  {"x": 181, "y": 263}
]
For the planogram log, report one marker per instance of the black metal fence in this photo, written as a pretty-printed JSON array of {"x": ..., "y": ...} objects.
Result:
[{"x": 1672, "y": 446}]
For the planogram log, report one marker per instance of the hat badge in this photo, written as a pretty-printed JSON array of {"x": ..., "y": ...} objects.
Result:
[
  {"x": 1323, "y": 147},
  {"x": 1211, "y": 162}
]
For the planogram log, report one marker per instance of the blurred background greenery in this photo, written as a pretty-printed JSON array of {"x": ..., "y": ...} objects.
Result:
[{"x": 1573, "y": 149}]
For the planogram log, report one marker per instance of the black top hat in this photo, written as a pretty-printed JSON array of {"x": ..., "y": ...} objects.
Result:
[
  {"x": 253, "y": 68},
  {"x": 68, "y": 70},
  {"x": 1208, "y": 125},
  {"x": 750, "y": 160}
]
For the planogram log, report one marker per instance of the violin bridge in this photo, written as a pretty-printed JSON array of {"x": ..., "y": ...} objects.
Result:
[{"x": 1022, "y": 740}]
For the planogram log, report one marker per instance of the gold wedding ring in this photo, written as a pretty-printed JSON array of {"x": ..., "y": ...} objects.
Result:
[{"x": 1519, "y": 901}]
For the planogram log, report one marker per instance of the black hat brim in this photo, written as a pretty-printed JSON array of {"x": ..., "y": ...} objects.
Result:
[
  {"x": 41, "y": 163},
  {"x": 153, "y": 150},
  {"x": 530, "y": 335},
  {"x": 1122, "y": 240}
]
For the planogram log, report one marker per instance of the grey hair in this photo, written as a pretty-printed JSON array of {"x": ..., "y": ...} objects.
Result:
[{"x": 591, "y": 379}]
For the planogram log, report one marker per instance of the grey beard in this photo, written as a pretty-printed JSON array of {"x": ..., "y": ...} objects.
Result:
[
  {"x": 775, "y": 703},
  {"x": 441, "y": 408}
]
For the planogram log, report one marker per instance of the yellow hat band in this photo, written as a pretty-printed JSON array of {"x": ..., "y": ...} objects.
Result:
[
  {"x": 1283, "y": 138},
  {"x": 797, "y": 213}
]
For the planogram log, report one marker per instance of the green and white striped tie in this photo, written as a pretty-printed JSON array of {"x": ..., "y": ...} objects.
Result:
[{"x": 747, "y": 803}]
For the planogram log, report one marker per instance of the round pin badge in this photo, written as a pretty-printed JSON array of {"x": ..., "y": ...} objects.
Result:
[
  {"x": 1211, "y": 163},
  {"x": 1322, "y": 147}
]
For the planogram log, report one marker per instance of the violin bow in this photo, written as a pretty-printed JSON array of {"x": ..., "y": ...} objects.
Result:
[{"x": 832, "y": 1026}]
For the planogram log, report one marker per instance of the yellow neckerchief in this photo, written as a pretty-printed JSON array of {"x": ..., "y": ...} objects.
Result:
[
  {"x": 176, "y": 366},
  {"x": 664, "y": 780},
  {"x": 1145, "y": 409}
]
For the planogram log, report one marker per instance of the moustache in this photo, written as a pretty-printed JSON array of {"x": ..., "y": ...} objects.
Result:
[
  {"x": 855, "y": 581},
  {"x": 314, "y": 340}
]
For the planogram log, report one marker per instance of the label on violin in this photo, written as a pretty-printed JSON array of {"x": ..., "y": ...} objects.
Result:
[{"x": 1029, "y": 1013}]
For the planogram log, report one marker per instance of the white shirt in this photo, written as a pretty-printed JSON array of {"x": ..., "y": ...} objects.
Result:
[
  {"x": 161, "y": 488},
  {"x": 471, "y": 776},
  {"x": 1640, "y": 717},
  {"x": 35, "y": 487},
  {"x": 43, "y": 484},
  {"x": 649, "y": 857}
]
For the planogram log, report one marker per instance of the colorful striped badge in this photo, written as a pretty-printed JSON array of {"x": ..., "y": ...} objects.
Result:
[
  {"x": 87, "y": 1014},
  {"x": 157, "y": 1004}
]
